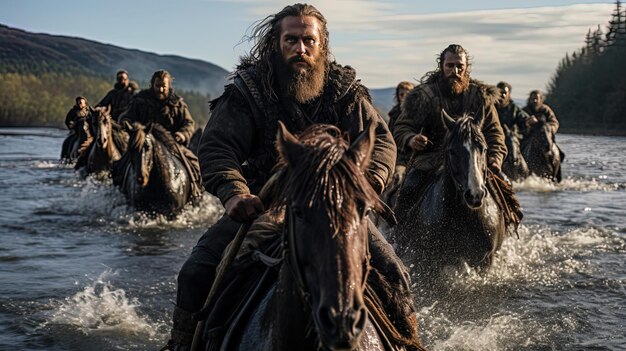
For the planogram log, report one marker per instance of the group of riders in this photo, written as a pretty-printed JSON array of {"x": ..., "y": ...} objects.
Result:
[{"x": 289, "y": 78}]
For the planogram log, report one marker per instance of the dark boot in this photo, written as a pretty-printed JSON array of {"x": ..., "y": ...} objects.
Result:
[
  {"x": 183, "y": 329},
  {"x": 195, "y": 280}
]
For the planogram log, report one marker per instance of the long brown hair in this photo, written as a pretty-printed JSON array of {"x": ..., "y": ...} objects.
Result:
[{"x": 266, "y": 35}]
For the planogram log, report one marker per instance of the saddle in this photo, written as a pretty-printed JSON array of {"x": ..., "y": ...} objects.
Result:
[{"x": 249, "y": 278}]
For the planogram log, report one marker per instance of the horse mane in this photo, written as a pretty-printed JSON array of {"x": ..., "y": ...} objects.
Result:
[
  {"x": 138, "y": 136},
  {"x": 324, "y": 175},
  {"x": 118, "y": 133},
  {"x": 466, "y": 130},
  {"x": 164, "y": 136}
]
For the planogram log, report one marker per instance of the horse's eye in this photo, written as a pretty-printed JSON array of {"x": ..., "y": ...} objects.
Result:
[{"x": 296, "y": 211}]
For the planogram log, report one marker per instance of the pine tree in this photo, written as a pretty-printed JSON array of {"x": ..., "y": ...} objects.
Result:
[
  {"x": 597, "y": 43},
  {"x": 616, "y": 25}
]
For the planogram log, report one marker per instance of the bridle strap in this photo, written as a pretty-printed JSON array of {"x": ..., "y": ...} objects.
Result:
[
  {"x": 292, "y": 262},
  {"x": 289, "y": 244}
]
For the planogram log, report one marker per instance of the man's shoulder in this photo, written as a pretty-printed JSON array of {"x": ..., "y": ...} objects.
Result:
[
  {"x": 424, "y": 88},
  {"x": 422, "y": 93},
  {"x": 547, "y": 109},
  {"x": 143, "y": 95},
  {"x": 489, "y": 93},
  {"x": 230, "y": 95},
  {"x": 342, "y": 81},
  {"x": 176, "y": 100}
]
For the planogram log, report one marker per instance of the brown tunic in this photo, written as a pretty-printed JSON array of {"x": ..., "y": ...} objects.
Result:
[
  {"x": 119, "y": 98},
  {"x": 237, "y": 151},
  {"x": 421, "y": 113},
  {"x": 545, "y": 114},
  {"x": 172, "y": 113}
]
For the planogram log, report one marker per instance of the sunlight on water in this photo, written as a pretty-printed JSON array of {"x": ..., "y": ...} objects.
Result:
[
  {"x": 101, "y": 307},
  {"x": 497, "y": 332},
  {"x": 51, "y": 165},
  {"x": 539, "y": 258},
  {"x": 537, "y": 184},
  {"x": 97, "y": 199},
  {"x": 207, "y": 211},
  {"x": 543, "y": 257}
]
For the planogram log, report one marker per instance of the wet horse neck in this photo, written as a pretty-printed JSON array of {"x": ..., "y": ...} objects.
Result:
[
  {"x": 164, "y": 164},
  {"x": 287, "y": 317}
]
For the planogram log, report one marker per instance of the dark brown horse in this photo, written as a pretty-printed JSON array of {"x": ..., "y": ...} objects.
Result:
[
  {"x": 454, "y": 218},
  {"x": 151, "y": 173},
  {"x": 541, "y": 152},
  {"x": 110, "y": 142},
  {"x": 318, "y": 301},
  {"x": 514, "y": 165}
]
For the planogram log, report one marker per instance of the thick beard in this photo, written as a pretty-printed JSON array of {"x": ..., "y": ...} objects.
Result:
[
  {"x": 303, "y": 85},
  {"x": 160, "y": 96},
  {"x": 456, "y": 85}
]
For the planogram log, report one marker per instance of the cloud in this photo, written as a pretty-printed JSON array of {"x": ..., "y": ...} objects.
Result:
[
  {"x": 521, "y": 46},
  {"x": 387, "y": 43}
]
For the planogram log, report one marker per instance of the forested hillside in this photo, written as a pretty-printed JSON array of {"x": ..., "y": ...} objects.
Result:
[
  {"x": 41, "y": 75},
  {"x": 588, "y": 89}
]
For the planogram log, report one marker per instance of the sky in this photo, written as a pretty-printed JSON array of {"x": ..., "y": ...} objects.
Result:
[{"x": 386, "y": 41}]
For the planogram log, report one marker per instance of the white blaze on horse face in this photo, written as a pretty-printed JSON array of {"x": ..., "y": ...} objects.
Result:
[{"x": 475, "y": 174}]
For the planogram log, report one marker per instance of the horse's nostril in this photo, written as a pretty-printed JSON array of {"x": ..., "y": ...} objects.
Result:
[{"x": 327, "y": 317}]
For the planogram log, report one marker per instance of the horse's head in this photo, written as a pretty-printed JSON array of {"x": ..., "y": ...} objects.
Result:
[
  {"x": 466, "y": 157},
  {"x": 101, "y": 124},
  {"x": 140, "y": 149},
  {"x": 323, "y": 185}
]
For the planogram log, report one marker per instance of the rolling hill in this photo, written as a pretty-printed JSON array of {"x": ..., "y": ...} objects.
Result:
[{"x": 35, "y": 53}]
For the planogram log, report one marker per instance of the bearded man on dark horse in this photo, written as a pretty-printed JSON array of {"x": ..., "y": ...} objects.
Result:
[
  {"x": 161, "y": 105},
  {"x": 288, "y": 76},
  {"x": 421, "y": 130}
]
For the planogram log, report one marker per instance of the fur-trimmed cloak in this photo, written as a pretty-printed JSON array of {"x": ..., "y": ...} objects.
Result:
[{"x": 421, "y": 113}]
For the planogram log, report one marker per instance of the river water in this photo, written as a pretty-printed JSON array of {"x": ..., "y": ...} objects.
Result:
[{"x": 79, "y": 270}]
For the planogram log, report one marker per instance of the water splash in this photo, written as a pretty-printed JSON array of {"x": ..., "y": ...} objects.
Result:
[
  {"x": 496, "y": 332},
  {"x": 101, "y": 307},
  {"x": 96, "y": 199},
  {"x": 51, "y": 165},
  {"x": 207, "y": 211},
  {"x": 543, "y": 257},
  {"x": 481, "y": 310},
  {"x": 537, "y": 184}
]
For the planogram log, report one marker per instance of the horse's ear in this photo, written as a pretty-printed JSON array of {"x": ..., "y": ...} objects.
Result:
[
  {"x": 107, "y": 111},
  {"x": 447, "y": 120},
  {"x": 361, "y": 149},
  {"x": 288, "y": 146}
]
